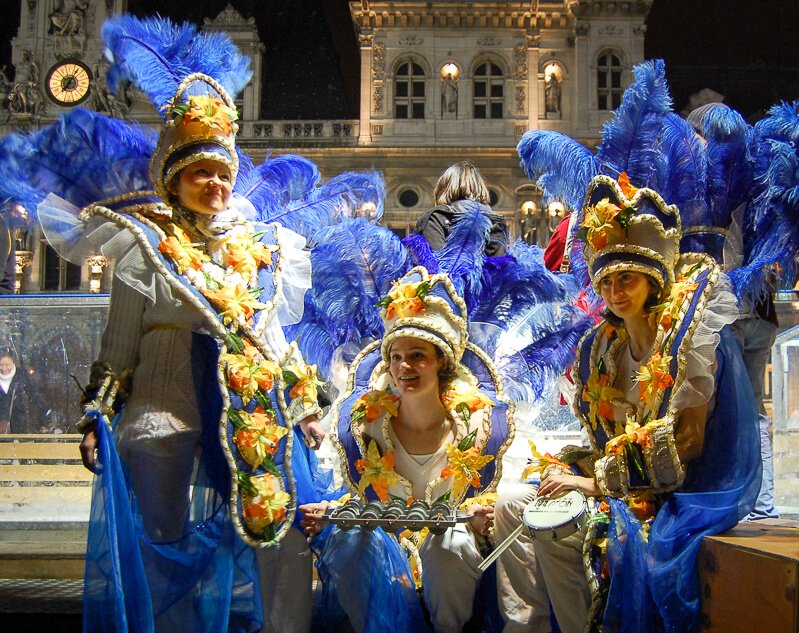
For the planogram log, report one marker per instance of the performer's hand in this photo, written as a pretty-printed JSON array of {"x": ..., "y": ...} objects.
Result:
[
  {"x": 482, "y": 519},
  {"x": 558, "y": 481},
  {"x": 312, "y": 432},
  {"x": 88, "y": 448},
  {"x": 313, "y": 517}
]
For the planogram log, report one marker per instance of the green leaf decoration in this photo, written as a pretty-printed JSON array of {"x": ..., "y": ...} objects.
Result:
[
  {"x": 445, "y": 498},
  {"x": 357, "y": 415},
  {"x": 422, "y": 289},
  {"x": 383, "y": 303},
  {"x": 269, "y": 466},
  {"x": 624, "y": 217},
  {"x": 264, "y": 402},
  {"x": 635, "y": 458},
  {"x": 270, "y": 532},
  {"x": 234, "y": 343},
  {"x": 467, "y": 442},
  {"x": 243, "y": 479},
  {"x": 290, "y": 377},
  {"x": 463, "y": 410},
  {"x": 235, "y": 417},
  {"x": 256, "y": 237}
]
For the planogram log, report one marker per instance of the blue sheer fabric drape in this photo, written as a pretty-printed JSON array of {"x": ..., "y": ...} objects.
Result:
[
  {"x": 206, "y": 581},
  {"x": 655, "y": 586},
  {"x": 365, "y": 577}
]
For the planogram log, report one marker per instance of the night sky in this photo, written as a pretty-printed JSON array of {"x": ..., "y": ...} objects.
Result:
[{"x": 747, "y": 50}]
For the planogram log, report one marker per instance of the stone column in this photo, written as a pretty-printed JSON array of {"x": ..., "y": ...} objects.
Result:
[{"x": 366, "y": 40}]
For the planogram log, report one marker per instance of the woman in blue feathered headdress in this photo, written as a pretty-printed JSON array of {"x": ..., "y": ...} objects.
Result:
[
  {"x": 661, "y": 388},
  {"x": 201, "y": 462}
]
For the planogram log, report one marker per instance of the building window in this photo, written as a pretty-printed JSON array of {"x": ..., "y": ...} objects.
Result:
[
  {"x": 608, "y": 76},
  {"x": 57, "y": 272},
  {"x": 493, "y": 197},
  {"x": 489, "y": 96},
  {"x": 409, "y": 98},
  {"x": 408, "y": 198}
]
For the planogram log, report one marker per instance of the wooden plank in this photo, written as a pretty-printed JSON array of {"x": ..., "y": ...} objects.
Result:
[
  {"x": 47, "y": 568},
  {"x": 49, "y": 472},
  {"x": 778, "y": 538},
  {"x": 45, "y": 495},
  {"x": 41, "y": 437},
  {"x": 32, "y": 550},
  {"x": 734, "y": 575},
  {"x": 40, "y": 450}
]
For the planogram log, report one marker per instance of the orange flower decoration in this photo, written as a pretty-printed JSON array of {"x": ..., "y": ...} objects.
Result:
[
  {"x": 249, "y": 371},
  {"x": 265, "y": 504},
  {"x": 235, "y": 304},
  {"x": 466, "y": 395},
  {"x": 464, "y": 466},
  {"x": 405, "y": 300},
  {"x": 600, "y": 395},
  {"x": 245, "y": 255},
  {"x": 653, "y": 378},
  {"x": 601, "y": 224},
  {"x": 626, "y": 187},
  {"x": 373, "y": 404},
  {"x": 259, "y": 437},
  {"x": 209, "y": 112},
  {"x": 306, "y": 384},
  {"x": 376, "y": 471},
  {"x": 180, "y": 249}
]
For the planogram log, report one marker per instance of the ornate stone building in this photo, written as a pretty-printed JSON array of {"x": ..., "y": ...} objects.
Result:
[{"x": 440, "y": 82}]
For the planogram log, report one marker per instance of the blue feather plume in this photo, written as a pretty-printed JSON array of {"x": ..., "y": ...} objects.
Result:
[
  {"x": 420, "y": 253},
  {"x": 559, "y": 165},
  {"x": 353, "y": 265},
  {"x": 683, "y": 168},
  {"x": 630, "y": 140},
  {"x": 155, "y": 55},
  {"x": 277, "y": 182},
  {"x": 83, "y": 157},
  {"x": 463, "y": 253},
  {"x": 344, "y": 196}
]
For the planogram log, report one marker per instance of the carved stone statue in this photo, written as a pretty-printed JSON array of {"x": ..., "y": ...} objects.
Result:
[
  {"x": 5, "y": 91},
  {"x": 104, "y": 100},
  {"x": 552, "y": 93},
  {"x": 449, "y": 94},
  {"x": 26, "y": 96},
  {"x": 68, "y": 18}
]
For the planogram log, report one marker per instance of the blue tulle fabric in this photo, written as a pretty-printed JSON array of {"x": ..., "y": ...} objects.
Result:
[
  {"x": 207, "y": 580},
  {"x": 365, "y": 577},
  {"x": 655, "y": 586}
]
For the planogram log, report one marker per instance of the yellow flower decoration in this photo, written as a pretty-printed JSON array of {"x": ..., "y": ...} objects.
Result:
[
  {"x": 373, "y": 404},
  {"x": 464, "y": 466},
  {"x": 653, "y": 378},
  {"x": 180, "y": 249},
  {"x": 306, "y": 384},
  {"x": 540, "y": 462},
  {"x": 601, "y": 223},
  {"x": 209, "y": 112},
  {"x": 376, "y": 471},
  {"x": 600, "y": 396},
  {"x": 235, "y": 304},
  {"x": 249, "y": 371},
  {"x": 463, "y": 395},
  {"x": 669, "y": 311},
  {"x": 264, "y": 504},
  {"x": 259, "y": 436},
  {"x": 405, "y": 300},
  {"x": 245, "y": 255},
  {"x": 626, "y": 186}
]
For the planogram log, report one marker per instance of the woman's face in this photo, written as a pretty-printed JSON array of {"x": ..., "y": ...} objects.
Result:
[
  {"x": 6, "y": 365},
  {"x": 203, "y": 187},
  {"x": 415, "y": 366},
  {"x": 625, "y": 293}
]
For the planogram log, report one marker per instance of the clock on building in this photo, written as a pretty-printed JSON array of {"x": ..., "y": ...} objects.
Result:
[{"x": 67, "y": 83}]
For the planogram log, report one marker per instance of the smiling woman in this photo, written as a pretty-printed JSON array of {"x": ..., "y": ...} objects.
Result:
[{"x": 203, "y": 187}]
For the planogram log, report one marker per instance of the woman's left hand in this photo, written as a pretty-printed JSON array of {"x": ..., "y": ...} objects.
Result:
[
  {"x": 312, "y": 432},
  {"x": 482, "y": 519},
  {"x": 558, "y": 481}
]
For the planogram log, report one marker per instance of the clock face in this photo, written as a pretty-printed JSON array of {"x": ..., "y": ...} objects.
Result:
[{"x": 68, "y": 83}]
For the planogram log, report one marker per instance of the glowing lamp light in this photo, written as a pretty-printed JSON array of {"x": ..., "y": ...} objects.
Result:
[{"x": 450, "y": 69}]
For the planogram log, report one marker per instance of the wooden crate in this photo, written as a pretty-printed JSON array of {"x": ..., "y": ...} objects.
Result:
[{"x": 749, "y": 577}]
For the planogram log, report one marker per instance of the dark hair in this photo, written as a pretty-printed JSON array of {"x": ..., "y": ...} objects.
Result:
[
  {"x": 652, "y": 300},
  {"x": 7, "y": 353}
]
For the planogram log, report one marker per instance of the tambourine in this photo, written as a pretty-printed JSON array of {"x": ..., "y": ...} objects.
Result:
[{"x": 556, "y": 518}]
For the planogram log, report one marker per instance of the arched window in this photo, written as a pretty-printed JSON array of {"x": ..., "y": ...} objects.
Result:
[
  {"x": 489, "y": 95},
  {"x": 409, "y": 99},
  {"x": 608, "y": 78}
]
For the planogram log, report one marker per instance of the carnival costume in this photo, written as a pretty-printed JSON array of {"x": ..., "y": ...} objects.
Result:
[
  {"x": 198, "y": 305},
  {"x": 657, "y": 199}
]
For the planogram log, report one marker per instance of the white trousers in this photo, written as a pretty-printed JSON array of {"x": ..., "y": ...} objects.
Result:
[{"x": 531, "y": 571}]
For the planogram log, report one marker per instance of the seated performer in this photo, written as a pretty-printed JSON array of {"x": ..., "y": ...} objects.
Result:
[
  {"x": 662, "y": 392},
  {"x": 414, "y": 423}
]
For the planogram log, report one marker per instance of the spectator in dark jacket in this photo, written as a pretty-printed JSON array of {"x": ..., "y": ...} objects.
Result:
[
  {"x": 13, "y": 399},
  {"x": 459, "y": 183}
]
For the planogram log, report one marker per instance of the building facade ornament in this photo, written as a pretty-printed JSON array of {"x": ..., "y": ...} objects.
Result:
[
  {"x": 489, "y": 41},
  {"x": 377, "y": 100},
  {"x": 229, "y": 17},
  {"x": 366, "y": 40},
  {"x": 410, "y": 41},
  {"x": 378, "y": 61},
  {"x": 520, "y": 62},
  {"x": 521, "y": 99}
]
